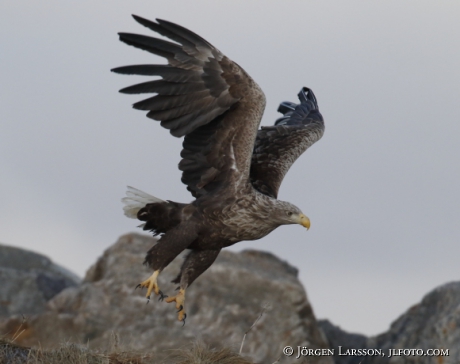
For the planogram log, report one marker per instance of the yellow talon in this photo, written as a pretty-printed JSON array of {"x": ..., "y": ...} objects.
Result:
[
  {"x": 151, "y": 284},
  {"x": 180, "y": 304}
]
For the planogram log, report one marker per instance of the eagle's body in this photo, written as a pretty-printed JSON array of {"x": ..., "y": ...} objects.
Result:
[
  {"x": 239, "y": 217},
  {"x": 233, "y": 169}
]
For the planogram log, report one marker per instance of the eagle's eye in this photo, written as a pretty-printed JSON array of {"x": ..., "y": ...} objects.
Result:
[{"x": 289, "y": 213}]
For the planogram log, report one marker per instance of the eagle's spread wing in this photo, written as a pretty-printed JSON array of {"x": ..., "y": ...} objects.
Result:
[
  {"x": 197, "y": 97},
  {"x": 277, "y": 147}
]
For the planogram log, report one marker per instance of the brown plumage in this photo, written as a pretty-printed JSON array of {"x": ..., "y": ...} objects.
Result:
[{"x": 232, "y": 169}]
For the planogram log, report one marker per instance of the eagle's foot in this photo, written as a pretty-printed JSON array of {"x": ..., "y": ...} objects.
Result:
[
  {"x": 180, "y": 301},
  {"x": 152, "y": 285}
]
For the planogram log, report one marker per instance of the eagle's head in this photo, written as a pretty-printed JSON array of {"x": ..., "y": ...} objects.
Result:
[{"x": 286, "y": 213}]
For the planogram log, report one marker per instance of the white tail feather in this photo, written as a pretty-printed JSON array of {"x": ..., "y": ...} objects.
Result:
[{"x": 136, "y": 200}]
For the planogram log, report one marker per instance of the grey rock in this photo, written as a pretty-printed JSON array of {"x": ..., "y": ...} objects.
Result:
[
  {"x": 340, "y": 340},
  {"x": 29, "y": 280},
  {"x": 221, "y": 306},
  {"x": 434, "y": 323}
]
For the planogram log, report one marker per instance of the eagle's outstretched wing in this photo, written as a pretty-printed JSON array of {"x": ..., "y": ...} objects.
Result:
[
  {"x": 203, "y": 96},
  {"x": 277, "y": 147}
]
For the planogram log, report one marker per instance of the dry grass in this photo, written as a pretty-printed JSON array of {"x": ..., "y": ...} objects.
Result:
[
  {"x": 198, "y": 353},
  {"x": 69, "y": 353}
]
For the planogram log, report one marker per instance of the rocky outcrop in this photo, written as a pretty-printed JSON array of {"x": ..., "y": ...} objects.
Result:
[
  {"x": 29, "y": 280},
  {"x": 221, "y": 306},
  {"x": 340, "y": 340},
  {"x": 434, "y": 323}
]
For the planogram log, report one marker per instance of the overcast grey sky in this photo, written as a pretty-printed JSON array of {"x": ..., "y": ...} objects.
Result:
[{"x": 381, "y": 188}]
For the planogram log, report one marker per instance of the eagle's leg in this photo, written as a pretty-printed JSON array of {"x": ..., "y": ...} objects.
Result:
[
  {"x": 161, "y": 254},
  {"x": 180, "y": 304},
  {"x": 152, "y": 285},
  {"x": 194, "y": 265}
]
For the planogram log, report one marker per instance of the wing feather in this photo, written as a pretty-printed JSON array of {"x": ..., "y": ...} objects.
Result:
[
  {"x": 193, "y": 77},
  {"x": 278, "y": 147},
  {"x": 203, "y": 96},
  {"x": 165, "y": 87},
  {"x": 166, "y": 71}
]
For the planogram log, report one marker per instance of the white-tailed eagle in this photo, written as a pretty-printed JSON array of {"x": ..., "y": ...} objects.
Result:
[{"x": 232, "y": 168}]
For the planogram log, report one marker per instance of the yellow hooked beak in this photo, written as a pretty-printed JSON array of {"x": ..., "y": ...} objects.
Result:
[{"x": 304, "y": 221}]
